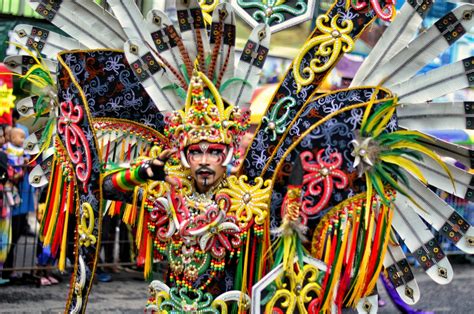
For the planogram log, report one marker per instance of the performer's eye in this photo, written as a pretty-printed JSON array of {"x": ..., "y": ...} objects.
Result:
[
  {"x": 216, "y": 152},
  {"x": 194, "y": 152}
]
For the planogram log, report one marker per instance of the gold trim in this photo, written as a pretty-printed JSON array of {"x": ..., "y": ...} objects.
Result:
[
  {"x": 290, "y": 67},
  {"x": 99, "y": 226},
  {"x": 317, "y": 124},
  {"x": 310, "y": 100}
]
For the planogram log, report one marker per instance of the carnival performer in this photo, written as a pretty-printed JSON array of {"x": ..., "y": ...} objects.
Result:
[
  {"x": 309, "y": 221},
  {"x": 196, "y": 231}
]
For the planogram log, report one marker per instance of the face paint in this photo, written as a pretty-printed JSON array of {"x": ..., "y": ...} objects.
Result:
[
  {"x": 207, "y": 153},
  {"x": 205, "y": 160}
]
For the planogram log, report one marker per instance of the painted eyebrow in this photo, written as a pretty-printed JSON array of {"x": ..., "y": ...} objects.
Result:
[{"x": 217, "y": 146}]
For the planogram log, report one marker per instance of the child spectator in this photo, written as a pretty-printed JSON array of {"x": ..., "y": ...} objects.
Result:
[{"x": 16, "y": 160}]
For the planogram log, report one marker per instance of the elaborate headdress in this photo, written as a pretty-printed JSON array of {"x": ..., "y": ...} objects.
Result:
[{"x": 205, "y": 117}]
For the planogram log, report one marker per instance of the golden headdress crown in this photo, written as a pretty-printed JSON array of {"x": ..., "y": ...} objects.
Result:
[{"x": 205, "y": 117}]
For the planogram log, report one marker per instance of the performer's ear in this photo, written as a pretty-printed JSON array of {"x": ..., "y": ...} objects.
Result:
[
  {"x": 184, "y": 161},
  {"x": 229, "y": 156}
]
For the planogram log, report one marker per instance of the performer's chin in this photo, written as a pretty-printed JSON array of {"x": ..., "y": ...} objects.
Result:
[{"x": 206, "y": 179}]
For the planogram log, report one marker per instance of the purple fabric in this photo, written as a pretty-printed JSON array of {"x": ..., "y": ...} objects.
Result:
[{"x": 397, "y": 301}]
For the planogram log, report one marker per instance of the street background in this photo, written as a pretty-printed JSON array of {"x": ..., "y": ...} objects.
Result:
[{"x": 127, "y": 294}]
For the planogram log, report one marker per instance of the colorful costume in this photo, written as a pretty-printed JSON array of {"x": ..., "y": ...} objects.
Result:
[{"x": 327, "y": 181}]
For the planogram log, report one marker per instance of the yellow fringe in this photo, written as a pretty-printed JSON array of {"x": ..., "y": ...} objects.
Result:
[
  {"x": 149, "y": 256},
  {"x": 336, "y": 270},
  {"x": 62, "y": 252},
  {"x": 368, "y": 199},
  {"x": 54, "y": 216},
  {"x": 244, "y": 275},
  {"x": 140, "y": 221}
]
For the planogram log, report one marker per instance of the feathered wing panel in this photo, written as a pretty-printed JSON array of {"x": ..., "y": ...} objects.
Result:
[
  {"x": 400, "y": 274},
  {"x": 395, "y": 38},
  {"x": 436, "y": 116},
  {"x": 445, "y": 32},
  {"x": 238, "y": 90},
  {"x": 350, "y": 240},
  {"x": 83, "y": 20},
  {"x": 22, "y": 64},
  {"x": 78, "y": 147},
  {"x": 102, "y": 124},
  {"x": 43, "y": 42},
  {"x": 353, "y": 154},
  {"x": 436, "y": 83}
]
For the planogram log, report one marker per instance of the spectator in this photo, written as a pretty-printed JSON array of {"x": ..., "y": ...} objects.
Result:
[
  {"x": 5, "y": 215},
  {"x": 16, "y": 160}
]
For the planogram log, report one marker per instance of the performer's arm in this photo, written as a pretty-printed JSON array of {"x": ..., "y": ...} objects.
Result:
[{"x": 121, "y": 184}]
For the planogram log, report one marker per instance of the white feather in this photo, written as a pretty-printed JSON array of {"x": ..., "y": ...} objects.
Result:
[
  {"x": 158, "y": 22},
  {"x": 435, "y": 211},
  {"x": 239, "y": 93},
  {"x": 417, "y": 54},
  {"x": 227, "y": 50},
  {"x": 400, "y": 32},
  {"x": 185, "y": 7},
  {"x": 53, "y": 44},
  {"x": 21, "y": 64},
  {"x": 396, "y": 259},
  {"x": 154, "y": 83},
  {"x": 437, "y": 177},
  {"x": 433, "y": 84},
  {"x": 87, "y": 22},
  {"x": 415, "y": 235},
  {"x": 131, "y": 19},
  {"x": 433, "y": 116}
]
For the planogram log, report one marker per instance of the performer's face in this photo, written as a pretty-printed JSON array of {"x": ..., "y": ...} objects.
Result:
[{"x": 205, "y": 160}]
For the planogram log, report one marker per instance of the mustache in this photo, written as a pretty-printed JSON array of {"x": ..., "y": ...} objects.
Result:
[{"x": 205, "y": 169}]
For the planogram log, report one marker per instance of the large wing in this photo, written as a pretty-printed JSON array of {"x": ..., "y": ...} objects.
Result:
[
  {"x": 100, "y": 133},
  {"x": 302, "y": 79},
  {"x": 364, "y": 175}
]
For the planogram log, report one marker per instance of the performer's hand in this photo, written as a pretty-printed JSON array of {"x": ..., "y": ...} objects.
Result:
[
  {"x": 154, "y": 169},
  {"x": 163, "y": 157}
]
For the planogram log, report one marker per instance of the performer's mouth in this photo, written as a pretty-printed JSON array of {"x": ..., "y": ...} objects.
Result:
[{"x": 205, "y": 172}]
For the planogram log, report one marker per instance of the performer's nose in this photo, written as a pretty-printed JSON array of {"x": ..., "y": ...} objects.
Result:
[{"x": 204, "y": 159}]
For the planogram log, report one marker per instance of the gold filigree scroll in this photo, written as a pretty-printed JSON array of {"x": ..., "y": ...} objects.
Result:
[
  {"x": 248, "y": 201},
  {"x": 86, "y": 227},
  {"x": 298, "y": 291},
  {"x": 179, "y": 176},
  {"x": 334, "y": 38}
]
